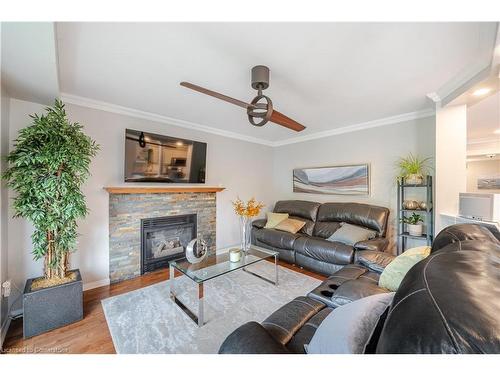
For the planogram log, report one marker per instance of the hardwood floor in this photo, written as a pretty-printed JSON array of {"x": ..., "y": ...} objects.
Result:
[{"x": 90, "y": 335}]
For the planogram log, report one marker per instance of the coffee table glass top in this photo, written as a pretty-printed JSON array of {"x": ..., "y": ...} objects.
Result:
[{"x": 217, "y": 265}]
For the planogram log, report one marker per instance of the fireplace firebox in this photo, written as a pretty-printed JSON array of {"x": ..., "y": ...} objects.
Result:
[{"x": 164, "y": 239}]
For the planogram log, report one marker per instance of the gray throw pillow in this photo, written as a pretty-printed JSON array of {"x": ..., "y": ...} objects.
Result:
[
  {"x": 350, "y": 234},
  {"x": 348, "y": 328}
]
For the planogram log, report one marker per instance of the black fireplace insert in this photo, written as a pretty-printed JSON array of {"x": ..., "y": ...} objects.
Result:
[{"x": 164, "y": 239}]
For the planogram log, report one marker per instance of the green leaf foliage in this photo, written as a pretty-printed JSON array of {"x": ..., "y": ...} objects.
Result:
[
  {"x": 49, "y": 164},
  {"x": 413, "y": 165},
  {"x": 414, "y": 219}
]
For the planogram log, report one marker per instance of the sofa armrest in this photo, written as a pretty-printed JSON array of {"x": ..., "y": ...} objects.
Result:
[
  {"x": 378, "y": 244},
  {"x": 259, "y": 223},
  {"x": 374, "y": 260},
  {"x": 251, "y": 338}
]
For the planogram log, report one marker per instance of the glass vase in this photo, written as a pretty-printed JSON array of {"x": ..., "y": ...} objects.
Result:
[{"x": 244, "y": 233}]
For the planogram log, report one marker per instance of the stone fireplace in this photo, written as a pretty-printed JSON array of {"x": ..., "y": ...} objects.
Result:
[
  {"x": 150, "y": 226},
  {"x": 164, "y": 239}
]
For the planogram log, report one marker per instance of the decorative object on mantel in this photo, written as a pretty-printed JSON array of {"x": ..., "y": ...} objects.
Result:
[
  {"x": 342, "y": 180},
  {"x": 49, "y": 164},
  {"x": 246, "y": 211},
  {"x": 162, "y": 190},
  {"x": 196, "y": 251},
  {"x": 414, "y": 224},
  {"x": 413, "y": 169},
  {"x": 234, "y": 255}
]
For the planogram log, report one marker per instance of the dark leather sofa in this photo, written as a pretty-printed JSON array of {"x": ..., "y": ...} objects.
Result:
[
  {"x": 309, "y": 248},
  {"x": 447, "y": 303}
]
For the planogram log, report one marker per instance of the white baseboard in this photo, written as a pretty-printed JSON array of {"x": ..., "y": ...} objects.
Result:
[{"x": 96, "y": 284}]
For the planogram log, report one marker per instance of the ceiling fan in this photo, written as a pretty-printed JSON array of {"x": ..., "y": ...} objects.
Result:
[{"x": 260, "y": 110}]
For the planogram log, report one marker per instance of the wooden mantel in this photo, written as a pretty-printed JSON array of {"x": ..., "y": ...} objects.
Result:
[{"x": 161, "y": 189}]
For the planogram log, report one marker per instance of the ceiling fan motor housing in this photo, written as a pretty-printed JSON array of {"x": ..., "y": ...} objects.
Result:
[{"x": 260, "y": 77}]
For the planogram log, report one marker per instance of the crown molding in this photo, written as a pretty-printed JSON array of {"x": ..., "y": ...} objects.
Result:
[
  {"x": 121, "y": 110},
  {"x": 361, "y": 126}
]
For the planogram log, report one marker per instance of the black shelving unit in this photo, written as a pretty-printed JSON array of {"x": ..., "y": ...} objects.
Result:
[{"x": 403, "y": 235}]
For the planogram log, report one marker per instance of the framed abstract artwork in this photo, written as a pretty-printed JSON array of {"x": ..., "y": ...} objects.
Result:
[
  {"x": 488, "y": 182},
  {"x": 342, "y": 180}
]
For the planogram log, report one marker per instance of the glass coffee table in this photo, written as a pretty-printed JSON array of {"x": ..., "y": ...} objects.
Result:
[{"x": 215, "y": 266}]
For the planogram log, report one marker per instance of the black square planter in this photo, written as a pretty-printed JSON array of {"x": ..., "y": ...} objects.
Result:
[{"x": 52, "y": 307}]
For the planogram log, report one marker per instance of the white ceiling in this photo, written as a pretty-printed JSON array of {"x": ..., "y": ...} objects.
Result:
[
  {"x": 483, "y": 118},
  {"x": 324, "y": 75},
  {"x": 29, "y": 61}
]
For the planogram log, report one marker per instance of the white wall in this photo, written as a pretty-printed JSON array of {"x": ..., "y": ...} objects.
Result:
[
  {"x": 20, "y": 260},
  {"x": 451, "y": 155},
  {"x": 380, "y": 147},
  {"x": 4, "y": 145},
  {"x": 478, "y": 169},
  {"x": 244, "y": 169}
]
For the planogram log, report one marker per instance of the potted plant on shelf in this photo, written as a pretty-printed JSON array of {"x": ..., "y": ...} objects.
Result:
[
  {"x": 413, "y": 169},
  {"x": 47, "y": 167},
  {"x": 414, "y": 224}
]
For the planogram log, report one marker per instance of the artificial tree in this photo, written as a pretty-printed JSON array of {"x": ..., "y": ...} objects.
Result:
[{"x": 47, "y": 168}]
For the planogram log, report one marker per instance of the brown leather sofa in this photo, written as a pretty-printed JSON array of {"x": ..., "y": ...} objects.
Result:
[
  {"x": 309, "y": 247},
  {"x": 447, "y": 303}
]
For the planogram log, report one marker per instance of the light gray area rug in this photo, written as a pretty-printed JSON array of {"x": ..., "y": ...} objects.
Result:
[{"x": 148, "y": 321}]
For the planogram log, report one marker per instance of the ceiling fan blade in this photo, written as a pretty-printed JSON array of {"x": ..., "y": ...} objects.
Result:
[
  {"x": 217, "y": 95},
  {"x": 280, "y": 119}
]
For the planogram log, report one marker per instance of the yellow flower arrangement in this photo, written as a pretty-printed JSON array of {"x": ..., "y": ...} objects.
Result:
[{"x": 249, "y": 209}]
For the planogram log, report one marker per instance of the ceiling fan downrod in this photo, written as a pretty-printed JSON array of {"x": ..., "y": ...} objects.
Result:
[{"x": 262, "y": 105}]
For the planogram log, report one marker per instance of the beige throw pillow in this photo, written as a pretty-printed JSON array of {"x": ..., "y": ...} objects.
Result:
[
  {"x": 290, "y": 225},
  {"x": 274, "y": 219}
]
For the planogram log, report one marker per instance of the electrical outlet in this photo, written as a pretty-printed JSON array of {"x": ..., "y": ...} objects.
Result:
[{"x": 6, "y": 288}]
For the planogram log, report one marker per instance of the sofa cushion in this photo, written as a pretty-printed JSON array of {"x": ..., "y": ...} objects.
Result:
[
  {"x": 304, "y": 335},
  {"x": 251, "y": 338},
  {"x": 374, "y": 260},
  {"x": 378, "y": 244},
  {"x": 347, "y": 329},
  {"x": 463, "y": 232},
  {"x": 364, "y": 215},
  {"x": 308, "y": 227},
  {"x": 323, "y": 250},
  {"x": 359, "y": 282},
  {"x": 304, "y": 209},
  {"x": 274, "y": 219},
  {"x": 352, "y": 290},
  {"x": 325, "y": 229},
  {"x": 259, "y": 223},
  {"x": 448, "y": 302},
  {"x": 284, "y": 322},
  {"x": 350, "y": 234},
  {"x": 290, "y": 225},
  {"x": 301, "y": 210},
  {"x": 276, "y": 238}
]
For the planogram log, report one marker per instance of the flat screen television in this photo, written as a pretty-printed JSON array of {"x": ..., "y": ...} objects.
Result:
[{"x": 159, "y": 158}]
